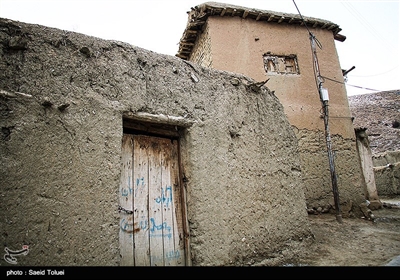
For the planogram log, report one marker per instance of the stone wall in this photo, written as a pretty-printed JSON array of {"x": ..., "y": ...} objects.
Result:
[
  {"x": 387, "y": 172},
  {"x": 63, "y": 96},
  {"x": 379, "y": 114},
  {"x": 201, "y": 53}
]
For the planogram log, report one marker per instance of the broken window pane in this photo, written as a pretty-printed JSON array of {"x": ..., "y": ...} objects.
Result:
[{"x": 281, "y": 64}]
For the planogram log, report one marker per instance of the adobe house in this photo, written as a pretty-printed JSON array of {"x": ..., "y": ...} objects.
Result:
[
  {"x": 115, "y": 155},
  {"x": 275, "y": 48},
  {"x": 378, "y": 131}
]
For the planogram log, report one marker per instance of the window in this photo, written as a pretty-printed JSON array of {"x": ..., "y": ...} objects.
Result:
[{"x": 281, "y": 64}]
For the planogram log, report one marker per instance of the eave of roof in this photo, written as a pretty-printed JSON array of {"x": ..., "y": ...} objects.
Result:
[{"x": 198, "y": 15}]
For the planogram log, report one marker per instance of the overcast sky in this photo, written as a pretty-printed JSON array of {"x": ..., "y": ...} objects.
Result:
[{"x": 371, "y": 28}]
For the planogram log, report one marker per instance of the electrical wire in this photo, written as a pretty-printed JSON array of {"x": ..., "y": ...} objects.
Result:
[
  {"x": 377, "y": 90},
  {"x": 319, "y": 81},
  {"x": 336, "y": 81},
  {"x": 378, "y": 35},
  {"x": 376, "y": 74},
  {"x": 361, "y": 19},
  {"x": 313, "y": 39},
  {"x": 320, "y": 46},
  {"x": 369, "y": 27},
  {"x": 309, "y": 32},
  {"x": 302, "y": 19}
]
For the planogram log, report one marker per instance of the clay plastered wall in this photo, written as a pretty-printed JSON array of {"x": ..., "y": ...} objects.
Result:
[
  {"x": 316, "y": 174},
  {"x": 238, "y": 46},
  {"x": 387, "y": 179},
  {"x": 387, "y": 172},
  {"x": 63, "y": 97}
]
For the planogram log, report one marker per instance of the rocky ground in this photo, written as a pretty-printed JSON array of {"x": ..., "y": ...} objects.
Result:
[{"x": 356, "y": 241}]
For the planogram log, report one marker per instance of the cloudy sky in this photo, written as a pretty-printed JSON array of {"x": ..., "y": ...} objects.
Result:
[{"x": 371, "y": 28}]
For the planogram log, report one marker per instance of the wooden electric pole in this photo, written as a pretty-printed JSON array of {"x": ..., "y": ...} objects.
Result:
[{"x": 323, "y": 94}]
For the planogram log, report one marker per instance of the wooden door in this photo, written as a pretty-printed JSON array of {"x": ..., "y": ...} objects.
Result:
[{"x": 151, "y": 224}]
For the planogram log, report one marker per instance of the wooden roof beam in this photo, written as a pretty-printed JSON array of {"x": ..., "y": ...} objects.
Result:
[
  {"x": 324, "y": 26},
  {"x": 332, "y": 26},
  {"x": 339, "y": 37},
  {"x": 245, "y": 13},
  {"x": 195, "y": 23},
  {"x": 182, "y": 56},
  {"x": 223, "y": 12},
  {"x": 187, "y": 43}
]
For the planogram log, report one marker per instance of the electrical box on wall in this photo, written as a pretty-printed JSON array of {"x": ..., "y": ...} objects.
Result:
[{"x": 324, "y": 94}]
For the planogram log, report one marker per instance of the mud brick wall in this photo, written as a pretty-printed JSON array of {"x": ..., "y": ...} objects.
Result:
[
  {"x": 63, "y": 97},
  {"x": 202, "y": 50}
]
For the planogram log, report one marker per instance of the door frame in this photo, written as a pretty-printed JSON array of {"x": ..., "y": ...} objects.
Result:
[{"x": 164, "y": 128}]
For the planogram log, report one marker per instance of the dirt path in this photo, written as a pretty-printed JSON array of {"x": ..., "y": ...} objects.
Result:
[{"x": 356, "y": 242}]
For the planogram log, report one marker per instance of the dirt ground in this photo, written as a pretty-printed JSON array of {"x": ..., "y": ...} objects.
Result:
[{"x": 357, "y": 241}]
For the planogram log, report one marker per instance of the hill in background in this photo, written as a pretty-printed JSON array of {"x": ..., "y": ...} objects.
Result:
[{"x": 379, "y": 113}]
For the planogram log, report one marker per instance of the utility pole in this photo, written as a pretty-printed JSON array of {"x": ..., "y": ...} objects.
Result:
[{"x": 323, "y": 94}]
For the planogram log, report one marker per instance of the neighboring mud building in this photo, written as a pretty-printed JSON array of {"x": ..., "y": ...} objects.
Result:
[
  {"x": 377, "y": 116},
  {"x": 275, "y": 47},
  {"x": 115, "y": 155}
]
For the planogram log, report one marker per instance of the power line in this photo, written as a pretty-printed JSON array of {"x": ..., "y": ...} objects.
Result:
[
  {"x": 323, "y": 94},
  {"x": 364, "y": 88},
  {"x": 336, "y": 81},
  {"x": 363, "y": 21},
  {"x": 313, "y": 40},
  {"x": 376, "y": 74}
]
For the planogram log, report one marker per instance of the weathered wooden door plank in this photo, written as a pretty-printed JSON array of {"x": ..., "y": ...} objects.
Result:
[
  {"x": 179, "y": 253},
  {"x": 167, "y": 204},
  {"x": 150, "y": 185},
  {"x": 125, "y": 200},
  {"x": 155, "y": 206},
  {"x": 140, "y": 201}
]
